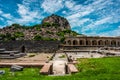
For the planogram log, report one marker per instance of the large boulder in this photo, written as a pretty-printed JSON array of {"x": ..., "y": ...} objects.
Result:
[{"x": 16, "y": 68}]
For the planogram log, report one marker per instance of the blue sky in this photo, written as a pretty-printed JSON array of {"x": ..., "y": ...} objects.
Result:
[{"x": 89, "y": 17}]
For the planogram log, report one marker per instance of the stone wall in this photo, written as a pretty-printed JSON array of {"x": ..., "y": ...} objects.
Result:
[{"x": 31, "y": 46}]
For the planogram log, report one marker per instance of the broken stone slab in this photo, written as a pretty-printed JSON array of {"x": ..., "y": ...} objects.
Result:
[
  {"x": 16, "y": 68},
  {"x": 2, "y": 72},
  {"x": 72, "y": 69},
  {"x": 46, "y": 69}
]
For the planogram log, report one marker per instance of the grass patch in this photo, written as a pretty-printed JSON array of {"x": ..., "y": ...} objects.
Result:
[
  {"x": 89, "y": 69},
  {"x": 62, "y": 56},
  {"x": 32, "y": 54}
]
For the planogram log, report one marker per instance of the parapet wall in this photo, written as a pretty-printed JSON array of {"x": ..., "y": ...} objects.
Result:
[{"x": 31, "y": 46}]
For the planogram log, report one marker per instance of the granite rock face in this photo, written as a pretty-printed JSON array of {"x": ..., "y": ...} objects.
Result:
[{"x": 60, "y": 21}]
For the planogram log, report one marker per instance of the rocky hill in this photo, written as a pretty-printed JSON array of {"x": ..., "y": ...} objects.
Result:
[
  {"x": 52, "y": 28},
  {"x": 57, "y": 20}
]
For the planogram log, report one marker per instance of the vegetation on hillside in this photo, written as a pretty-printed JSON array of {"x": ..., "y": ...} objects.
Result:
[
  {"x": 53, "y": 27},
  {"x": 69, "y": 32},
  {"x": 89, "y": 69},
  {"x": 38, "y": 37},
  {"x": 19, "y": 35}
]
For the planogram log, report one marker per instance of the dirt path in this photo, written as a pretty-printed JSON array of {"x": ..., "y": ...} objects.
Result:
[{"x": 29, "y": 58}]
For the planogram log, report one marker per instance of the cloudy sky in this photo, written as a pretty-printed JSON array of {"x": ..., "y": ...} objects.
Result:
[{"x": 89, "y": 17}]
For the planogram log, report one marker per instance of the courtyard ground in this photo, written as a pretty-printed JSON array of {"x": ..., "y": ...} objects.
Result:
[
  {"x": 29, "y": 58},
  {"x": 89, "y": 69}
]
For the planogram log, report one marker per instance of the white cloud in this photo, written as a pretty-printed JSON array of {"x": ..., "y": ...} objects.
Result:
[
  {"x": 95, "y": 24},
  {"x": 118, "y": 26},
  {"x": 79, "y": 11},
  {"x": 115, "y": 32},
  {"x": 28, "y": 2},
  {"x": 52, "y": 6},
  {"x": 102, "y": 21},
  {"x": 6, "y": 15},
  {"x": 27, "y": 16},
  {"x": 1, "y": 19},
  {"x": 77, "y": 22},
  {"x": 1, "y": 12},
  {"x": 9, "y": 22},
  {"x": 104, "y": 14},
  {"x": 79, "y": 14},
  {"x": 1, "y": 26},
  {"x": 69, "y": 4},
  {"x": 22, "y": 10}
]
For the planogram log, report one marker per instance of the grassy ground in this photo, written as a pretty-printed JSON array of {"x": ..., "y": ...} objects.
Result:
[{"x": 89, "y": 69}]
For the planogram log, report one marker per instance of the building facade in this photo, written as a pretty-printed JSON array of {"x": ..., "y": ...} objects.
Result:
[{"x": 84, "y": 42}]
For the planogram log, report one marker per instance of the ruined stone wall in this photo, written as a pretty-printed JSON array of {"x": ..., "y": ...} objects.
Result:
[
  {"x": 31, "y": 46},
  {"x": 90, "y": 43}
]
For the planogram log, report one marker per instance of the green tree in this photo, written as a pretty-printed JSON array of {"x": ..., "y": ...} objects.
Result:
[
  {"x": 16, "y": 25},
  {"x": 46, "y": 24},
  {"x": 37, "y": 37},
  {"x": 8, "y": 36},
  {"x": 62, "y": 39},
  {"x": 18, "y": 34},
  {"x": 49, "y": 32}
]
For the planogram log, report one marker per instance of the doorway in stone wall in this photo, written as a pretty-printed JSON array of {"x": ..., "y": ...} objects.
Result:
[{"x": 23, "y": 49}]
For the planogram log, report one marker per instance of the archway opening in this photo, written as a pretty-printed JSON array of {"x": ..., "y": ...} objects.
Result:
[
  {"x": 81, "y": 42},
  {"x": 113, "y": 43},
  {"x": 69, "y": 42},
  {"x": 118, "y": 43},
  {"x": 94, "y": 42},
  {"x": 75, "y": 42},
  {"x": 100, "y": 42},
  {"x": 88, "y": 42},
  {"x": 107, "y": 43},
  {"x": 23, "y": 49}
]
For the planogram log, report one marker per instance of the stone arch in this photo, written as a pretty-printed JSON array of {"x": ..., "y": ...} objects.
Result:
[
  {"x": 69, "y": 42},
  {"x": 94, "y": 42},
  {"x": 113, "y": 43},
  {"x": 81, "y": 42},
  {"x": 100, "y": 42},
  {"x": 107, "y": 42},
  {"x": 118, "y": 43},
  {"x": 64, "y": 42},
  {"x": 75, "y": 42},
  {"x": 23, "y": 49},
  {"x": 88, "y": 42}
]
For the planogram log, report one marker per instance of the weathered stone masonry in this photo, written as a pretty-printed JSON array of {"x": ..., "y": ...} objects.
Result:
[
  {"x": 31, "y": 46},
  {"x": 91, "y": 42},
  {"x": 80, "y": 43}
]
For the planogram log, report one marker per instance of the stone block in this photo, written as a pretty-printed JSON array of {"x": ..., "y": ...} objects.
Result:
[
  {"x": 16, "y": 68},
  {"x": 2, "y": 72}
]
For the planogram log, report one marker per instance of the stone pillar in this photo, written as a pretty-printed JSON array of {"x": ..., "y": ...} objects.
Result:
[{"x": 84, "y": 42}]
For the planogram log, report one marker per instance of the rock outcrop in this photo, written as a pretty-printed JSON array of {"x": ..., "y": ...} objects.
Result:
[
  {"x": 60, "y": 21},
  {"x": 53, "y": 27}
]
